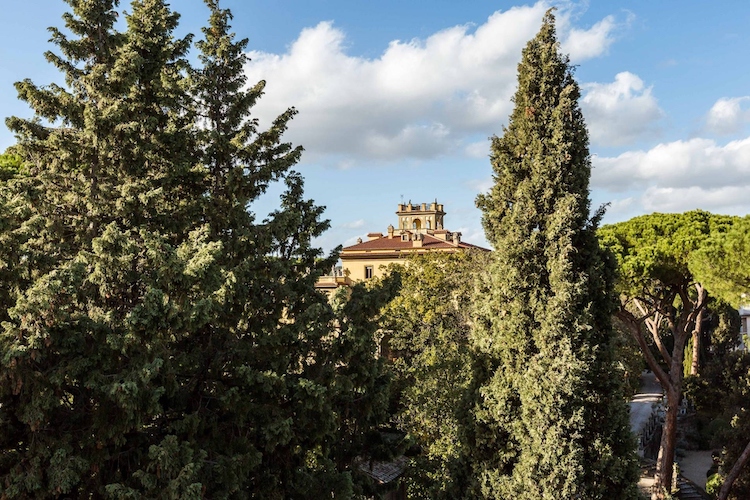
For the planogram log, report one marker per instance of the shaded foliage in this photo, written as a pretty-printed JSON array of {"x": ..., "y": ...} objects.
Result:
[
  {"x": 661, "y": 303},
  {"x": 428, "y": 326}
]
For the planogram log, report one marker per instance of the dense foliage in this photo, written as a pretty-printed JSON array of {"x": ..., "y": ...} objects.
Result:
[
  {"x": 723, "y": 263},
  {"x": 158, "y": 340},
  {"x": 550, "y": 415},
  {"x": 428, "y": 325}
]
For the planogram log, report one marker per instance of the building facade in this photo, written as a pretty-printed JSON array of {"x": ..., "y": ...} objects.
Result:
[{"x": 420, "y": 229}]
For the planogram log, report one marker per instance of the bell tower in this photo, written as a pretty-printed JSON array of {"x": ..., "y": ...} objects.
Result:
[{"x": 420, "y": 218}]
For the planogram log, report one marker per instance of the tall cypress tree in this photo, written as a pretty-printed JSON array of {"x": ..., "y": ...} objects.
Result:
[{"x": 550, "y": 418}]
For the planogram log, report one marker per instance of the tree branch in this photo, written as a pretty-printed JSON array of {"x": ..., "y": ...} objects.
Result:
[
  {"x": 652, "y": 321},
  {"x": 634, "y": 325},
  {"x": 726, "y": 486}
]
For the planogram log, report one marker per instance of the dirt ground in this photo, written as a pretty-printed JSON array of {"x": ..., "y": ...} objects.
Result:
[{"x": 694, "y": 466}]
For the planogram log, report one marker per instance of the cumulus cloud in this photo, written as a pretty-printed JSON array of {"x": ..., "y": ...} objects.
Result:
[
  {"x": 727, "y": 199},
  {"x": 620, "y": 112},
  {"x": 583, "y": 44},
  {"x": 679, "y": 164},
  {"x": 678, "y": 176},
  {"x": 419, "y": 98},
  {"x": 728, "y": 115}
]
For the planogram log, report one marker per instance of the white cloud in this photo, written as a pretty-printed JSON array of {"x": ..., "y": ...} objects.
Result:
[
  {"x": 479, "y": 149},
  {"x": 620, "y": 112},
  {"x": 727, "y": 199},
  {"x": 359, "y": 223},
  {"x": 728, "y": 115},
  {"x": 583, "y": 44},
  {"x": 677, "y": 176},
  {"x": 420, "y": 98},
  {"x": 481, "y": 185},
  {"x": 679, "y": 164}
]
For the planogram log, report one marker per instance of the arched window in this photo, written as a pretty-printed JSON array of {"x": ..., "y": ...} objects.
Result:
[
  {"x": 429, "y": 224},
  {"x": 417, "y": 224}
]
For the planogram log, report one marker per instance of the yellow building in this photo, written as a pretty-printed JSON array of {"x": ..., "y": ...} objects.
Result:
[{"x": 420, "y": 230}]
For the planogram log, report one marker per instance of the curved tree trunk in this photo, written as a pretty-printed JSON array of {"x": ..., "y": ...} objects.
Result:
[{"x": 726, "y": 486}]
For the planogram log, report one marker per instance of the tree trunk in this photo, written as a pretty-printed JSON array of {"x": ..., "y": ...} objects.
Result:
[
  {"x": 665, "y": 460},
  {"x": 697, "y": 334},
  {"x": 726, "y": 486}
]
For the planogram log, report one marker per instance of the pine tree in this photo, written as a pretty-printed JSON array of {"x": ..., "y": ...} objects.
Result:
[{"x": 550, "y": 418}]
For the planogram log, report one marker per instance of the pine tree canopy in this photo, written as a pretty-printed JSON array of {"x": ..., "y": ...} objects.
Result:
[
  {"x": 662, "y": 303},
  {"x": 550, "y": 418},
  {"x": 722, "y": 263},
  {"x": 157, "y": 340}
]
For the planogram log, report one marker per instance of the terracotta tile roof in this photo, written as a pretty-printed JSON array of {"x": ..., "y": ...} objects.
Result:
[{"x": 396, "y": 243}]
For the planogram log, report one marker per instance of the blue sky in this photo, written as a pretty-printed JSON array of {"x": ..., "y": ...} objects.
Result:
[{"x": 398, "y": 99}]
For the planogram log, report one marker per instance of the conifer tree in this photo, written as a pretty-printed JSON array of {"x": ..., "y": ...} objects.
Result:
[
  {"x": 551, "y": 421},
  {"x": 11, "y": 168},
  {"x": 321, "y": 364},
  {"x": 661, "y": 301},
  {"x": 161, "y": 342}
]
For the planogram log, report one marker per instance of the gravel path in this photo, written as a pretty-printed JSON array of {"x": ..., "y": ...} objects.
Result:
[
  {"x": 641, "y": 404},
  {"x": 694, "y": 466}
]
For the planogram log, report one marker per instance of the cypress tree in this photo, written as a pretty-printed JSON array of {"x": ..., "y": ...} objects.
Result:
[{"x": 551, "y": 421}]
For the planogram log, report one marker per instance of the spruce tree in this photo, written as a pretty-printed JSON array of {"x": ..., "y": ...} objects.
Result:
[{"x": 551, "y": 421}]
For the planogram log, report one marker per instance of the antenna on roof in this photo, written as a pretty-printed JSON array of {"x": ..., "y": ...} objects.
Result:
[{"x": 402, "y": 199}]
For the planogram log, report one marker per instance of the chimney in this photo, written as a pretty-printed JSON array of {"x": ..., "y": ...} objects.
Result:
[
  {"x": 390, "y": 232},
  {"x": 417, "y": 241}
]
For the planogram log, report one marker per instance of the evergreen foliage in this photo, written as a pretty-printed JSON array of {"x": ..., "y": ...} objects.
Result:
[
  {"x": 551, "y": 421},
  {"x": 11, "y": 168},
  {"x": 722, "y": 263},
  {"x": 158, "y": 341}
]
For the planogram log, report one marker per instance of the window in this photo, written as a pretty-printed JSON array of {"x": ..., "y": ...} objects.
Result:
[
  {"x": 368, "y": 272},
  {"x": 429, "y": 224}
]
